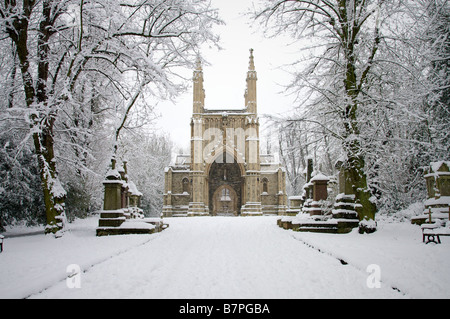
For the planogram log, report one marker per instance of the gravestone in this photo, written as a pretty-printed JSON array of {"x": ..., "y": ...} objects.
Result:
[
  {"x": 345, "y": 209},
  {"x": 121, "y": 214},
  {"x": 307, "y": 188},
  {"x": 319, "y": 194},
  {"x": 343, "y": 217},
  {"x": 437, "y": 177},
  {"x": 345, "y": 206},
  {"x": 113, "y": 189},
  {"x": 295, "y": 205}
]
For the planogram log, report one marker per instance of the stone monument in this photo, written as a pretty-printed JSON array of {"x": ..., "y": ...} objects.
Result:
[
  {"x": 437, "y": 177},
  {"x": 121, "y": 214}
]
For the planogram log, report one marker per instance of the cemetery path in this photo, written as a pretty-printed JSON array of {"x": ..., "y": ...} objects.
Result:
[{"x": 221, "y": 257}]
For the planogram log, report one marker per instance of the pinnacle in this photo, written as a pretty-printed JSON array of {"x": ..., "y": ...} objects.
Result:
[{"x": 251, "y": 66}]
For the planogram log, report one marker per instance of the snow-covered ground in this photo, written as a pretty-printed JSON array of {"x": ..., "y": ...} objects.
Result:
[{"x": 226, "y": 257}]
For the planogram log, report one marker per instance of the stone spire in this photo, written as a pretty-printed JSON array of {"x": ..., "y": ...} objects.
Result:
[
  {"x": 199, "y": 92},
  {"x": 250, "y": 92},
  {"x": 251, "y": 65}
]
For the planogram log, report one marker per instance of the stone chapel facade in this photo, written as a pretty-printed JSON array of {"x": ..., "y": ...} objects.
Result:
[{"x": 224, "y": 174}]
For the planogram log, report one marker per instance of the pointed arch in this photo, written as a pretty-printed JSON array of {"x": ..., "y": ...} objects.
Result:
[
  {"x": 225, "y": 201},
  {"x": 265, "y": 185},
  {"x": 185, "y": 184},
  {"x": 222, "y": 154}
]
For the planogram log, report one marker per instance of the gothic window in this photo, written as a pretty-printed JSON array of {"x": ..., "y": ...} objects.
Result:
[
  {"x": 185, "y": 185},
  {"x": 225, "y": 196},
  {"x": 265, "y": 185}
]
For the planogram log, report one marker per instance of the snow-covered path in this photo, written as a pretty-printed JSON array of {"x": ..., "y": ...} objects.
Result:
[{"x": 221, "y": 257}]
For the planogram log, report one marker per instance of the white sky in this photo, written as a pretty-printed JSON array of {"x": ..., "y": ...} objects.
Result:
[{"x": 224, "y": 78}]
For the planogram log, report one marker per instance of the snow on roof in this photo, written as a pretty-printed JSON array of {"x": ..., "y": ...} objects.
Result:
[
  {"x": 267, "y": 158},
  {"x": 436, "y": 166},
  {"x": 438, "y": 169},
  {"x": 183, "y": 159}
]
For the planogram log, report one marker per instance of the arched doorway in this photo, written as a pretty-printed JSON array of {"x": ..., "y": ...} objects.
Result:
[
  {"x": 225, "y": 201},
  {"x": 225, "y": 183}
]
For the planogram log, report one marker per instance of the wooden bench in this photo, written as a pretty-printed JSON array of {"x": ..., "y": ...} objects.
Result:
[
  {"x": 1, "y": 243},
  {"x": 432, "y": 230},
  {"x": 432, "y": 234}
]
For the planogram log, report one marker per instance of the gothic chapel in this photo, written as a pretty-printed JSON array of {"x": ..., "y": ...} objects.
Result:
[{"x": 225, "y": 174}]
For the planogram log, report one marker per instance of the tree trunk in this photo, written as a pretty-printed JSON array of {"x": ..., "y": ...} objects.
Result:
[
  {"x": 54, "y": 193},
  {"x": 40, "y": 124},
  {"x": 352, "y": 146}
]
